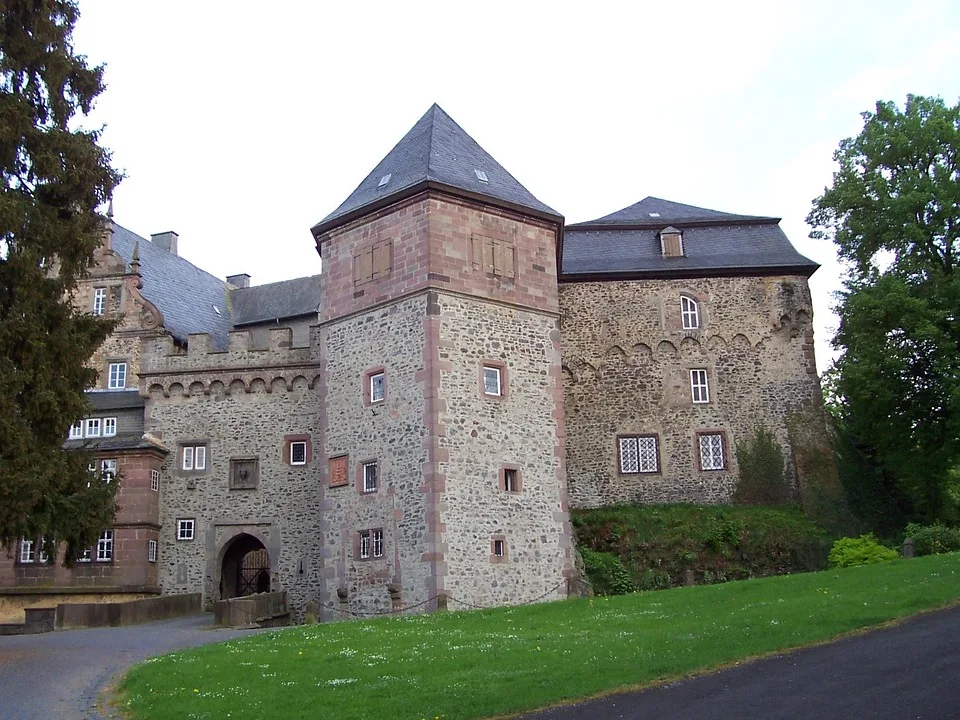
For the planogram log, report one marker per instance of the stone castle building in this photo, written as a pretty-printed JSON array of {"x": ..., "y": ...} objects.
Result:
[{"x": 411, "y": 426}]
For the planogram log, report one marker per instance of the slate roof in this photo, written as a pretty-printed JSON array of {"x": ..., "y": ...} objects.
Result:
[
  {"x": 436, "y": 151},
  {"x": 286, "y": 299},
  {"x": 115, "y": 399},
  {"x": 185, "y": 294},
  {"x": 627, "y": 243},
  {"x": 118, "y": 442}
]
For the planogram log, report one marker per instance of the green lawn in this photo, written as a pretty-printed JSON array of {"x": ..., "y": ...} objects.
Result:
[{"x": 496, "y": 662}]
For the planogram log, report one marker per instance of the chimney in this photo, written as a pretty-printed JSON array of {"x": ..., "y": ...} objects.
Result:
[
  {"x": 239, "y": 281},
  {"x": 166, "y": 240}
]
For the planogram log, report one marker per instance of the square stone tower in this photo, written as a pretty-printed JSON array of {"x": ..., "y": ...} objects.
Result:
[{"x": 441, "y": 396}]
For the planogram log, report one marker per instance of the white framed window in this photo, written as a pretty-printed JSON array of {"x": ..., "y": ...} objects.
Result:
[
  {"x": 378, "y": 387},
  {"x": 689, "y": 313},
  {"x": 99, "y": 301},
  {"x": 185, "y": 529},
  {"x": 699, "y": 387},
  {"x": 108, "y": 469},
  {"x": 499, "y": 548},
  {"x": 298, "y": 452},
  {"x": 377, "y": 542},
  {"x": 155, "y": 480},
  {"x": 105, "y": 546},
  {"x": 365, "y": 544},
  {"x": 370, "y": 477},
  {"x": 117, "y": 376},
  {"x": 85, "y": 556},
  {"x": 193, "y": 457},
  {"x": 151, "y": 551},
  {"x": 76, "y": 430},
  {"x": 492, "y": 384},
  {"x": 27, "y": 551},
  {"x": 93, "y": 427},
  {"x": 109, "y": 427},
  {"x": 711, "y": 451},
  {"x": 639, "y": 454}
]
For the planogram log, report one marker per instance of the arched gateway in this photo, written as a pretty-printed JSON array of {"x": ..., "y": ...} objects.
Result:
[{"x": 245, "y": 569}]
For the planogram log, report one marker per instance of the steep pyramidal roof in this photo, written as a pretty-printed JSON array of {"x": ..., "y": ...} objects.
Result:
[
  {"x": 435, "y": 152},
  {"x": 656, "y": 212}
]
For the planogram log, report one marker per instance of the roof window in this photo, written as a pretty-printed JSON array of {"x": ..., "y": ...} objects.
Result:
[
  {"x": 384, "y": 180},
  {"x": 671, "y": 242},
  {"x": 654, "y": 215},
  {"x": 481, "y": 176}
]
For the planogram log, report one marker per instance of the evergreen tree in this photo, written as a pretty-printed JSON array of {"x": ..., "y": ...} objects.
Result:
[{"x": 55, "y": 175}]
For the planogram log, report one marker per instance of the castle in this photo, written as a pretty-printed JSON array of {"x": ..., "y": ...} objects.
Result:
[{"x": 410, "y": 427}]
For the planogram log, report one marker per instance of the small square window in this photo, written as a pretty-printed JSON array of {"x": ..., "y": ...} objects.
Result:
[
  {"x": 27, "y": 551},
  {"x": 117, "y": 376},
  {"x": 151, "y": 551},
  {"x": 370, "y": 477},
  {"x": 298, "y": 453},
  {"x": 711, "y": 451},
  {"x": 155, "y": 480},
  {"x": 99, "y": 301},
  {"x": 194, "y": 457},
  {"x": 491, "y": 381},
  {"x": 108, "y": 470},
  {"x": 699, "y": 387},
  {"x": 185, "y": 529},
  {"x": 378, "y": 387},
  {"x": 109, "y": 427},
  {"x": 76, "y": 430},
  {"x": 93, "y": 427},
  {"x": 105, "y": 546}
]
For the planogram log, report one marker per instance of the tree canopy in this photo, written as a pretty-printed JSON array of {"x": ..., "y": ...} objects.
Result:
[
  {"x": 894, "y": 213},
  {"x": 55, "y": 176}
]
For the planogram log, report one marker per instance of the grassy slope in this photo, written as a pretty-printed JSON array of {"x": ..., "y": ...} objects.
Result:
[{"x": 478, "y": 664}]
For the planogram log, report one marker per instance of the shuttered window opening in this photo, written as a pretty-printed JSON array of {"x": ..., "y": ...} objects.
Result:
[
  {"x": 373, "y": 262},
  {"x": 493, "y": 257}
]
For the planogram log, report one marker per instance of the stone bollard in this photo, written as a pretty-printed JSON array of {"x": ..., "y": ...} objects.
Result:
[
  {"x": 908, "y": 551},
  {"x": 396, "y": 603},
  {"x": 688, "y": 578},
  {"x": 442, "y": 602},
  {"x": 342, "y": 597}
]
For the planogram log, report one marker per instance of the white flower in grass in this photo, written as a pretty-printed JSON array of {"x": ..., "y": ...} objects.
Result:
[{"x": 339, "y": 681}]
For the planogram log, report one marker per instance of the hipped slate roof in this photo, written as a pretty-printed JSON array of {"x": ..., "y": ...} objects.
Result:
[
  {"x": 435, "y": 152},
  {"x": 185, "y": 294},
  {"x": 262, "y": 303},
  {"x": 627, "y": 243}
]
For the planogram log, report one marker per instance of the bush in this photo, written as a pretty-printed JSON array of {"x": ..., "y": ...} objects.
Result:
[
  {"x": 762, "y": 479},
  {"x": 864, "y": 550},
  {"x": 933, "y": 539},
  {"x": 606, "y": 573}
]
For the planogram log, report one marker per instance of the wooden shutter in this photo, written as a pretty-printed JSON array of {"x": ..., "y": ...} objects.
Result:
[{"x": 381, "y": 260}]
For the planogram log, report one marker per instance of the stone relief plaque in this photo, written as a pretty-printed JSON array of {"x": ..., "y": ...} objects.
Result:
[{"x": 338, "y": 471}]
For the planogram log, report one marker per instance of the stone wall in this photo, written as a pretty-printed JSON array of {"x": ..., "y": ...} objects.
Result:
[
  {"x": 627, "y": 365},
  {"x": 242, "y": 405},
  {"x": 481, "y": 435}
]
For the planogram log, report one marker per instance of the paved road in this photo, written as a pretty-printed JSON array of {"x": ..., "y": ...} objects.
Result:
[
  {"x": 910, "y": 670},
  {"x": 59, "y": 675}
]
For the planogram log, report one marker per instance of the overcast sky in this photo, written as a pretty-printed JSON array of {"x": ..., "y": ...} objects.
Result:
[{"x": 241, "y": 124}]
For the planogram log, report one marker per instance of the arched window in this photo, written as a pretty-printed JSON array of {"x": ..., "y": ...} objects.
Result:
[{"x": 689, "y": 313}]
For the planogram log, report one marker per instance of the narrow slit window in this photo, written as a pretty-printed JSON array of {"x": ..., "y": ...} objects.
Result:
[
  {"x": 370, "y": 477},
  {"x": 151, "y": 551},
  {"x": 499, "y": 548}
]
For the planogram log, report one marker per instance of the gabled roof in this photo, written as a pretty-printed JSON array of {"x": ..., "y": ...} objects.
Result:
[
  {"x": 276, "y": 301},
  {"x": 656, "y": 212},
  {"x": 627, "y": 243},
  {"x": 435, "y": 152},
  {"x": 188, "y": 297}
]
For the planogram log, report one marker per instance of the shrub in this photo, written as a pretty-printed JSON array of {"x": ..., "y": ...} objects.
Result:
[
  {"x": 762, "y": 479},
  {"x": 933, "y": 539},
  {"x": 864, "y": 550},
  {"x": 606, "y": 573}
]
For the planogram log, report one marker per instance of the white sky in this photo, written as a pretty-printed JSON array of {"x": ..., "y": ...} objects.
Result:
[{"x": 240, "y": 124}]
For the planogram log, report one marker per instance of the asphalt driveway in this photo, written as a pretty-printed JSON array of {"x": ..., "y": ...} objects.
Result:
[
  {"x": 60, "y": 674},
  {"x": 911, "y": 670}
]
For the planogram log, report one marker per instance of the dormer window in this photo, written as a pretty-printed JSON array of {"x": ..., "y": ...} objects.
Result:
[{"x": 671, "y": 242}]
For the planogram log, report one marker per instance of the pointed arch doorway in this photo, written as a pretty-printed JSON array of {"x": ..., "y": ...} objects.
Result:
[{"x": 245, "y": 569}]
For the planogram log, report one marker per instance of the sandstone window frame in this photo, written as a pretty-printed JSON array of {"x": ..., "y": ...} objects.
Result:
[
  {"x": 372, "y": 262},
  {"x": 510, "y": 479},
  {"x": 709, "y": 440},
  {"x": 105, "y": 547},
  {"x": 151, "y": 551},
  {"x": 193, "y": 457},
  {"x": 289, "y": 441},
  {"x": 368, "y": 476},
  {"x": 369, "y": 544},
  {"x": 637, "y": 439},
  {"x": 700, "y": 386},
  {"x": 498, "y": 369},
  {"x": 499, "y": 552},
  {"x": 186, "y": 529},
  {"x": 117, "y": 375},
  {"x": 494, "y": 257},
  {"x": 99, "y": 301},
  {"x": 690, "y": 317},
  {"x": 375, "y": 386}
]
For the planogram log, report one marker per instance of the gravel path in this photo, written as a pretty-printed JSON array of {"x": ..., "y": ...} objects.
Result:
[{"x": 60, "y": 674}]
